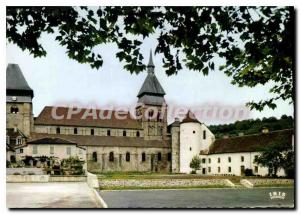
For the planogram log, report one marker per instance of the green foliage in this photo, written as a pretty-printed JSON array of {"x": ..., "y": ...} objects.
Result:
[
  {"x": 289, "y": 164},
  {"x": 248, "y": 172},
  {"x": 72, "y": 166},
  {"x": 274, "y": 156},
  {"x": 255, "y": 42},
  {"x": 195, "y": 164},
  {"x": 252, "y": 126}
]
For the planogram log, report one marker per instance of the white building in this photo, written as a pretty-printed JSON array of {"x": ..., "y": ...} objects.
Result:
[{"x": 228, "y": 156}]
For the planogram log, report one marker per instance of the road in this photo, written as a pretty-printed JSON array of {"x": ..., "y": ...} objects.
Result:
[
  {"x": 198, "y": 198},
  {"x": 49, "y": 195}
]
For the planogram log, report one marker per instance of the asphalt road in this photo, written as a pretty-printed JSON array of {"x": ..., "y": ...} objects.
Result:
[
  {"x": 49, "y": 195},
  {"x": 198, "y": 198}
]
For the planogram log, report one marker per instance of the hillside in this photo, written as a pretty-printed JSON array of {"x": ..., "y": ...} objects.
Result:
[{"x": 252, "y": 126}]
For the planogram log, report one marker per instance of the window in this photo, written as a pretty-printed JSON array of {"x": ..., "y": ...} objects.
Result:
[
  {"x": 169, "y": 156},
  {"x": 219, "y": 160},
  {"x": 34, "y": 149},
  {"x": 51, "y": 150},
  {"x": 18, "y": 141},
  {"x": 57, "y": 130},
  {"x": 219, "y": 169},
  {"x": 124, "y": 133},
  {"x": 7, "y": 139},
  {"x": 255, "y": 157},
  {"x": 95, "y": 156},
  {"x": 21, "y": 151},
  {"x": 209, "y": 160},
  {"x": 190, "y": 148},
  {"x": 92, "y": 132},
  {"x": 111, "y": 157},
  {"x": 108, "y": 133},
  {"x": 256, "y": 169},
  {"x": 75, "y": 131},
  {"x": 194, "y": 132},
  {"x": 159, "y": 156},
  {"x": 143, "y": 157},
  {"x": 14, "y": 110},
  {"x": 150, "y": 114},
  {"x": 203, "y": 160},
  {"x": 242, "y": 158},
  {"x": 229, "y": 169},
  {"x": 229, "y": 159},
  {"x": 204, "y": 134},
  {"x": 127, "y": 157},
  {"x": 68, "y": 150},
  {"x": 137, "y": 133},
  {"x": 209, "y": 169}
]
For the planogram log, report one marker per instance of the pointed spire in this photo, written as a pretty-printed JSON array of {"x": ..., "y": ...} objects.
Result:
[{"x": 150, "y": 65}]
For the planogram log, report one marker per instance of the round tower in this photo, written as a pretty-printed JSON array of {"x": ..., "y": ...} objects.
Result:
[{"x": 190, "y": 141}]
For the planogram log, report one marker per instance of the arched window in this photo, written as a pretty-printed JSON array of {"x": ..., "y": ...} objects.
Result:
[
  {"x": 14, "y": 109},
  {"x": 169, "y": 156},
  {"x": 111, "y": 157},
  {"x": 124, "y": 133},
  {"x": 95, "y": 156},
  {"x": 75, "y": 131},
  {"x": 137, "y": 133},
  {"x": 57, "y": 130},
  {"x": 204, "y": 134},
  {"x": 143, "y": 157},
  {"x": 159, "y": 156},
  {"x": 92, "y": 132},
  {"x": 108, "y": 132},
  {"x": 127, "y": 157}
]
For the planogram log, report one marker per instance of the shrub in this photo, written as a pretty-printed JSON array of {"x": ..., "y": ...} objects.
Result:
[{"x": 72, "y": 166}]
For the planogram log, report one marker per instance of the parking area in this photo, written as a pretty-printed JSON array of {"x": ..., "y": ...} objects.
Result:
[
  {"x": 49, "y": 195},
  {"x": 199, "y": 198}
]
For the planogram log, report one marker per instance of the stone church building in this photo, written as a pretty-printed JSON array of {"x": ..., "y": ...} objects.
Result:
[{"x": 145, "y": 143}]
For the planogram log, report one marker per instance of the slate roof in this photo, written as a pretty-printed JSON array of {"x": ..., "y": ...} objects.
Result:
[
  {"x": 190, "y": 118},
  {"x": 151, "y": 85},
  {"x": 250, "y": 143},
  {"x": 16, "y": 83},
  {"x": 45, "y": 118},
  {"x": 107, "y": 141},
  {"x": 50, "y": 140}
]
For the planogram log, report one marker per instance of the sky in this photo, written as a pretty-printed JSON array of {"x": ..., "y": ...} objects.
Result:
[{"x": 58, "y": 80}]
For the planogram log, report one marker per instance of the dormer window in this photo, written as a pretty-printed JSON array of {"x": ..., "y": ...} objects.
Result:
[
  {"x": 18, "y": 141},
  {"x": 14, "y": 110}
]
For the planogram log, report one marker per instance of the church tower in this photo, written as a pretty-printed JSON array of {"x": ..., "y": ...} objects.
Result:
[
  {"x": 151, "y": 108},
  {"x": 18, "y": 101}
]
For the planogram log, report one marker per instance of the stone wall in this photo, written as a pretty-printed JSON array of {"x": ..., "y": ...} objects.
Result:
[
  {"x": 72, "y": 178},
  {"x": 119, "y": 163},
  {"x": 162, "y": 182},
  {"x": 25, "y": 171},
  {"x": 27, "y": 178},
  {"x": 270, "y": 182},
  {"x": 23, "y": 120}
]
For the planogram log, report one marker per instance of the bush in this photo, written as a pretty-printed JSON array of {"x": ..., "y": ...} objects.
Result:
[
  {"x": 72, "y": 166},
  {"x": 248, "y": 172}
]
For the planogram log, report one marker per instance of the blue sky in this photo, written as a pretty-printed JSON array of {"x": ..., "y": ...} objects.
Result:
[{"x": 57, "y": 79}]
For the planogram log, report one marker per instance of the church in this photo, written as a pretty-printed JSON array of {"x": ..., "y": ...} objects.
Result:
[{"x": 146, "y": 143}]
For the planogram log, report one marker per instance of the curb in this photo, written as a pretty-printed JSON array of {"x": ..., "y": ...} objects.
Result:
[{"x": 99, "y": 200}]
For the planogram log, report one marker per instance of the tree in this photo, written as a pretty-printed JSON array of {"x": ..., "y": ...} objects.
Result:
[
  {"x": 289, "y": 164},
  {"x": 195, "y": 164},
  {"x": 273, "y": 156},
  {"x": 256, "y": 43}
]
